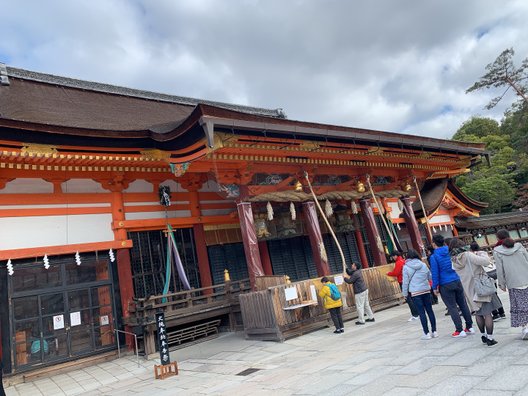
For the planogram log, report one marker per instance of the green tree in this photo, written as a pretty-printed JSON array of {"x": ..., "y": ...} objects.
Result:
[
  {"x": 494, "y": 189},
  {"x": 502, "y": 73},
  {"x": 477, "y": 127}
]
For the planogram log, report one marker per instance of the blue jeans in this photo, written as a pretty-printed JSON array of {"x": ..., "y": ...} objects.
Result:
[
  {"x": 423, "y": 304},
  {"x": 453, "y": 296}
]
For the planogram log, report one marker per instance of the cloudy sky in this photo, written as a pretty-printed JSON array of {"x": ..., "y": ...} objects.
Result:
[{"x": 394, "y": 65}]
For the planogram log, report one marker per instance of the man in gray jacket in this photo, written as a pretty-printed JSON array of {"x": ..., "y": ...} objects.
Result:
[{"x": 360, "y": 294}]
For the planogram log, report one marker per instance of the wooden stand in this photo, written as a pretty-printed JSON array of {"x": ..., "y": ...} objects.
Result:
[{"x": 164, "y": 371}]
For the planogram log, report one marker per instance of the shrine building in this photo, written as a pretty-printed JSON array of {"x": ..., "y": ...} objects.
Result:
[{"x": 96, "y": 180}]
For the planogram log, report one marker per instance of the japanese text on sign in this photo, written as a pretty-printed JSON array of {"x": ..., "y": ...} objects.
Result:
[{"x": 162, "y": 338}]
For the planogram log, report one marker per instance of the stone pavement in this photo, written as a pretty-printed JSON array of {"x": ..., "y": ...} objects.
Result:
[{"x": 383, "y": 358}]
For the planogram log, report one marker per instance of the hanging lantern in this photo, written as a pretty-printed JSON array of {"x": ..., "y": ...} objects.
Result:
[
  {"x": 269, "y": 209},
  {"x": 78, "y": 258},
  {"x": 292, "y": 211},
  {"x": 407, "y": 187},
  {"x": 354, "y": 207},
  {"x": 111, "y": 255},
  {"x": 46, "y": 261},
  {"x": 328, "y": 208},
  {"x": 10, "y": 269}
]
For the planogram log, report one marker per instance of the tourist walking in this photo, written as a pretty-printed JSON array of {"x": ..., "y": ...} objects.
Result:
[
  {"x": 397, "y": 272},
  {"x": 332, "y": 302},
  {"x": 360, "y": 294},
  {"x": 511, "y": 260},
  {"x": 479, "y": 288},
  {"x": 447, "y": 282},
  {"x": 498, "y": 313},
  {"x": 416, "y": 277}
]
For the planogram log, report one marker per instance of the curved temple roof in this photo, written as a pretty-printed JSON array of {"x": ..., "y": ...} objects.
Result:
[{"x": 48, "y": 108}]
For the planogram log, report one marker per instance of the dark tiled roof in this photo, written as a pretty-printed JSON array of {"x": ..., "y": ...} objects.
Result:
[
  {"x": 51, "y": 100},
  {"x": 432, "y": 192},
  {"x": 492, "y": 221}
]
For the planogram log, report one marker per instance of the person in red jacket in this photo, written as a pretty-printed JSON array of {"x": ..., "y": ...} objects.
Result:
[{"x": 397, "y": 273}]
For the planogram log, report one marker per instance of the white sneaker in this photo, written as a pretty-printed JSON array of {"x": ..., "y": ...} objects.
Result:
[
  {"x": 426, "y": 336},
  {"x": 525, "y": 334},
  {"x": 456, "y": 334},
  {"x": 470, "y": 331},
  {"x": 435, "y": 334},
  {"x": 413, "y": 318}
]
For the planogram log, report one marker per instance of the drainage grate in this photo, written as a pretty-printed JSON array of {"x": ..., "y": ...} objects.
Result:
[{"x": 248, "y": 371}]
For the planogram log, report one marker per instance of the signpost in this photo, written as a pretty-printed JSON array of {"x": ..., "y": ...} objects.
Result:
[{"x": 166, "y": 368}]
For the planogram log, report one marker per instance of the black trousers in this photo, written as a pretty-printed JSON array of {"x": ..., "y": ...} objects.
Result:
[
  {"x": 453, "y": 296},
  {"x": 337, "y": 318},
  {"x": 410, "y": 303}
]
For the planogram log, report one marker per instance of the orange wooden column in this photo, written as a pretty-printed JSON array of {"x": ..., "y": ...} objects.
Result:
[
  {"x": 316, "y": 239},
  {"x": 376, "y": 247},
  {"x": 192, "y": 183},
  {"x": 124, "y": 267},
  {"x": 412, "y": 225},
  {"x": 360, "y": 242}
]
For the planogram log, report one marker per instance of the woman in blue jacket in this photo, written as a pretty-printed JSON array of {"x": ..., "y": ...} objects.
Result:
[{"x": 447, "y": 282}]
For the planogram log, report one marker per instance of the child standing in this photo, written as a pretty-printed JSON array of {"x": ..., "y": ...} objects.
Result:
[
  {"x": 361, "y": 294},
  {"x": 333, "y": 306}
]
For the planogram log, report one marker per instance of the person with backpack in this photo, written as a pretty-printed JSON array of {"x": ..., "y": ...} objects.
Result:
[
  {"x": 360, "y": 293},
  {"x": 416, "y": 277},
  {"x": 332, "y": 301}
]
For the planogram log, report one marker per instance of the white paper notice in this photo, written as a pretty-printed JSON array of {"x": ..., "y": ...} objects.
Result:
[
  {"x": 313, "y": 292},
  {"x": 338, "y": 280},
  {"x": 75, "y": 318},
  {"x": 58, "y": 322},
  {"x": 290, "y": 293},
  {"x": 104, "y": 320}
]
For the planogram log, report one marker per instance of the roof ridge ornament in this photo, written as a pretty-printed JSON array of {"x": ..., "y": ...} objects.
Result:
[{"x": 4, "y": 79}]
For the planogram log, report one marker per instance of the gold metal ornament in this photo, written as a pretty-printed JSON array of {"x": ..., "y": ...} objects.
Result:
[
  {"x": 298, "y": 187},
  {"x": 360, "y": 187}
]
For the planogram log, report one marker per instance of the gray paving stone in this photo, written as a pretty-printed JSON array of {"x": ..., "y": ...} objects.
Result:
[{"x": 511, "y": 378}]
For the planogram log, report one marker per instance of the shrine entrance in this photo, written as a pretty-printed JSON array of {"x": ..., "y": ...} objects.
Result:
[{"x": 61, "y": 313}]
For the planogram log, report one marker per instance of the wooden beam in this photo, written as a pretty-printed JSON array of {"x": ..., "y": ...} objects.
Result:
[{"x": 63, "y": 249}]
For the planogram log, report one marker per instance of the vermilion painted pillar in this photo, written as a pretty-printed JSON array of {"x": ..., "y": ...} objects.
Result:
[
  {"x": 316, "y": 239},
  {"x": 249, "y": 238},
  {"x": 124, "y": 267},
  {"x": 204, "y": 268},
  {"x": 376, "y": 246},
  {"x": 360, "y": 243},
  {"x": 412, "y": 225},
  {"x": 265, "y": 258}
]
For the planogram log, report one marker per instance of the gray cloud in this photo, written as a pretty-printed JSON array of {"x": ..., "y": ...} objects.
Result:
[{"x": 401, "y": 66}]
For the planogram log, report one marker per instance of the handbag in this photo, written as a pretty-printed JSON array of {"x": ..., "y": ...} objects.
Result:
[
  {"x": 492, "y": 273},
  {"x": 484, "y": 286}
]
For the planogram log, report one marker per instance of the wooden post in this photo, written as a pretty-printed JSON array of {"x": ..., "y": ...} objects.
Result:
[
  {"x": 265, "y": 258},
  {"x": 376, "y": 247},
  {"x": 412, "y": 225},
  {"x": 360, "y": 243},
  {"x": 203, "y": 258},
  {"x": 316, "y": 239}
]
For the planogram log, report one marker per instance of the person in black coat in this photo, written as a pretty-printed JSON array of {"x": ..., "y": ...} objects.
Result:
[{"x": 360, "y": 294}]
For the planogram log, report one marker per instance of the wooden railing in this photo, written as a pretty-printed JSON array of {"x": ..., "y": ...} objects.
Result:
[
  {"x": 268, "y": 316},
  {"x": 142, "y": 310}
]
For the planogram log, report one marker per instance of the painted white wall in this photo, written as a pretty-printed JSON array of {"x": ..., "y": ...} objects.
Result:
[
  {"x": 217, "y": 212},
  {"x": 82, "y": 186},
  {"x": 395, "y": 213},
  {"x": 157, "y": 215},
  {"x": 174, "y": 186},
  {"x": 210, "y": 186},
  {"x": 440, "y": 219},
  {"x": 140, "y": 186},
  {"x": 36, "y": 231},
  {"x": 28, "y": 186}
]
